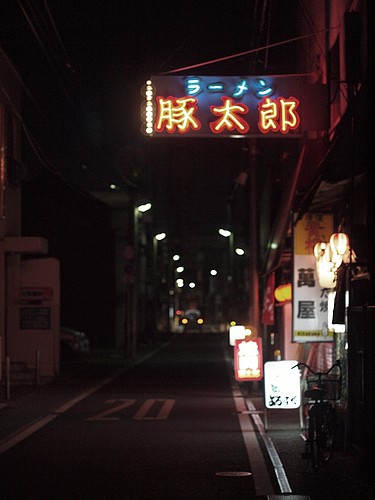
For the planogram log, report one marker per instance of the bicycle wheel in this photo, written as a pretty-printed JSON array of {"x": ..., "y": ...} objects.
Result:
[
  {"x": 326, "y": 432},
  {"x": 312, "y": 440}
]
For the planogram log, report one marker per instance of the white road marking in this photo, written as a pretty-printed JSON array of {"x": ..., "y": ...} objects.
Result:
[
  {"x": 13, "y": 440},
  {"x": 271, "y": 450},
  {"x": 104, "y": 415},
  {"x": 163, "y": 412},
  {"x": 262, "y": 482},
  {"x": 25, "y": 433},
  {"x": 9, "y": 443}
]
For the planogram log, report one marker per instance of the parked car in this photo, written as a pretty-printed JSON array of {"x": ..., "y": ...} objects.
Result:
[{"x": 73, "y": 342}]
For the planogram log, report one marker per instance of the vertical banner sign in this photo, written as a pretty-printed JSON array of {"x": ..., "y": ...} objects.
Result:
[
  {"x": 310, "y": 300},
  {"x": 248, "y": 359},
  {"x": 268, "y": 313},
  {"x": 282, "y": 385}
]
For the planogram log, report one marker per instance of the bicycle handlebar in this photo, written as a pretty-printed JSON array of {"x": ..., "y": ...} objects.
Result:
[{"x": 336, "y": 364}]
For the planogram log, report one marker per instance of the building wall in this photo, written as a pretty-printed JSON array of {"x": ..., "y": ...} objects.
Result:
[
  {"x": 9, "y": 194},
  {"x": 339, "y": 55}
]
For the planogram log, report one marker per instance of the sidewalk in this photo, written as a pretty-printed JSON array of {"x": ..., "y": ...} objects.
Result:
[{"x": 344, "y": 477}]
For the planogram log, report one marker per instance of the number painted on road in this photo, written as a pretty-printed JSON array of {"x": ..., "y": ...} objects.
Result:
[
  {"x": 151, "y": 409},
  {"x": 104, "y": 415},
  {"x": 163, "y": 413}
]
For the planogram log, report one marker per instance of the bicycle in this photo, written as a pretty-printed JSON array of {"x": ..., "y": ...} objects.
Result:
[{"x": 321, "y": 429}]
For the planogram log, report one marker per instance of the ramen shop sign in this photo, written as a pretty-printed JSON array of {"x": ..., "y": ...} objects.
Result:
[{"x": 232, "y": 106}]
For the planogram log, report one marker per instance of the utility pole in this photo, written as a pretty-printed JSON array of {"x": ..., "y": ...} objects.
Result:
[{"x": 253, "y": 239}]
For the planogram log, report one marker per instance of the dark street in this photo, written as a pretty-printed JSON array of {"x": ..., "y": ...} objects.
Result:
[{"x": 172, "y": 424}]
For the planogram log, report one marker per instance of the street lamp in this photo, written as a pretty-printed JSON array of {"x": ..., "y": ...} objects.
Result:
[
  {"x": 240, "y": 251},
  {"x": 144, "y": 207},
  {"x": 227, "y": 233},
  {"x": 160, "y": 236},
  {"x": 156, "y": 239},
  {"x": 139, "y": 277}
]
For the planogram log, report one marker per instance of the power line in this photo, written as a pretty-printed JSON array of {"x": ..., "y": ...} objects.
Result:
[{"x": 252, "y": 51}]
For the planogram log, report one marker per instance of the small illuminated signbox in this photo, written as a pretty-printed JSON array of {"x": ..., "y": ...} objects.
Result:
[
  {"x": 282, "y": 385},
  {"x": 233, "y": 106},
  {"x": 248, "y": 359}
]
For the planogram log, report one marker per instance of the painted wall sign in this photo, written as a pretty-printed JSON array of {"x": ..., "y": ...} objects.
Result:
[
  {"x": 35, "y": 294},
  {"x": 248, "y": 359},
  {"x": 310, "y": 300},
  {"x": 35, "y": 318},
  {"x": 231, "y": 106},
  {"x": 282, "y": 385}
]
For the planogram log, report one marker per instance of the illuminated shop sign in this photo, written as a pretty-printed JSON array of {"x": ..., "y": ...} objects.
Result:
[
  {"x": 230, "y": 106},
  {"x": 282, "y": 385},
  {"x": 310, "y": 300},
  {"x": 248, "y": 359}
]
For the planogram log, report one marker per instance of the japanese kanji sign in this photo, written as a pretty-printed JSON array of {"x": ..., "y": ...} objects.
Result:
[
  {"x": 282, "y": 385},
  {"x": 310, "y": 300},
  {"x": 248, "y": 359},
  {"x": 230, "y": 106}
]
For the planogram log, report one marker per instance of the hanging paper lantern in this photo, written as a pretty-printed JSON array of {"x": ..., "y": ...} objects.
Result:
[
  {"x": 327, "y": 263},
  {"x": 339, "y": 243},
  {"x": 319, "y": 249},
  {"x": 326, "y": 272}
]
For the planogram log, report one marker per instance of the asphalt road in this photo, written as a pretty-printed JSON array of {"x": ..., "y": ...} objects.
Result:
[
  {"x": 167, "y": 428},
  {"x": 172, "y": 425}
]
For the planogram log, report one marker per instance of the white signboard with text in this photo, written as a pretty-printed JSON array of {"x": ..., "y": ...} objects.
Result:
[
  {"x": 282, "y": 385},
  {"x": 310, "y": 300}
]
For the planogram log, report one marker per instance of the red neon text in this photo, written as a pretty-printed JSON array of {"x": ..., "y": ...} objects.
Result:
[
  {"x": 180, "y": 114},
  {"x": 228, "y": 117},
  {"x": 278, "y": 115},
  {"x": 177, "y": 113}
]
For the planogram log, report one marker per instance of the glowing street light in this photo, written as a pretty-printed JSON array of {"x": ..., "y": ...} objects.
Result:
[
  {"x": 240, "y": 251},
  {"x": 225, "y": 232},
  {"x": 160, "y": 236},
  {"x": 144, "y": 207}
]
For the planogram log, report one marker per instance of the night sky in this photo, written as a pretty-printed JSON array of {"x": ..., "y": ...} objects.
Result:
[{"x": 83, "y": 64}]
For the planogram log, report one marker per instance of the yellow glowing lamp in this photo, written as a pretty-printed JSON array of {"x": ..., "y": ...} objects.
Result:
[
  {"x": 319, "y": 249},
  {"x": 283, "y": 293},
  {"x": 339, "y": 243}
]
